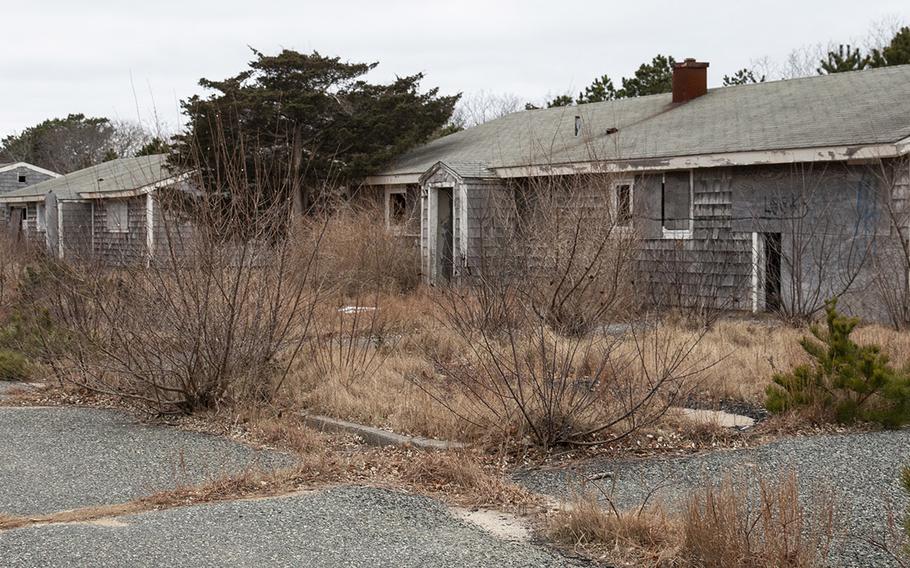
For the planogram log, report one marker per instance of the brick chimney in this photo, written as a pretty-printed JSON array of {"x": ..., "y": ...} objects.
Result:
[{"x": 690, "y": 80}]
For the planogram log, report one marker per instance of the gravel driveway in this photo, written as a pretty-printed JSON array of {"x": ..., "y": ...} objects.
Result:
[
  {"x": 350, "y": 526},
  {"x": 862, "y": 469},
  {"x": 58, "y": 458}
]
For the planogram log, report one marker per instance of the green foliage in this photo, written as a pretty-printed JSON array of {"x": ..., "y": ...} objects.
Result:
[
  {"x": 299, "y": 120},
  {"x": 560, "y": 101},
  {"x": 600, "y": 90},
  {"x": 62, "y": 144},
  {"x": 895, "y": 53},
  {"x": 154, "y": 146},
  {"x": 13, "y": 365},
  {"x": 854, "y": 382},
  {"x": 650, "y": 79},
  {"x": 742, "y": 77},
  {"x": 846, "y": 58}
]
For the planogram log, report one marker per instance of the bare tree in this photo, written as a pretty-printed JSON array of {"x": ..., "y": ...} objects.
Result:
[
  {"x": 483, "y": 106},
  {"x": 217, "y": 314}
]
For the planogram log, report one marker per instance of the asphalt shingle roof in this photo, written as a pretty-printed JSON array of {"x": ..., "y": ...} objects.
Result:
[
  {"x": 122, "y": 174},
  {"x": 844, "y": 109}
]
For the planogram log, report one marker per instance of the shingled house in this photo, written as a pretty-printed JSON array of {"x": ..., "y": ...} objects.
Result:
[
  {"x": 18, "y": 175},
  {"x": 723, "y": 185},
  {"x": 108, "y": 212}
]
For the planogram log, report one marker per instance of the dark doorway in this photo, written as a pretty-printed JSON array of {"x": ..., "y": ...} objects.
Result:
[
  {"x": 772, "y": 272},
  {"x": 16, "y": 223},
  {"x": 444, "y": 235}
]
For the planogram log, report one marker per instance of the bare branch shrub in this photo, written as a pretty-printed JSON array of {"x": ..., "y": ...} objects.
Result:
[
  {"x": 219, "y": 315},
  {"x": 554, "y": 347},
  {"x": 891, "y": 262}
]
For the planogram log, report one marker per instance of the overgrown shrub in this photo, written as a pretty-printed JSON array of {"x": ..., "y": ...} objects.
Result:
[
  {"x": 550, "y": 350},
  {"x": 845, "y": 380},
  {"x": 13, "y": 365},
  {"x": 359, "y": 255}
]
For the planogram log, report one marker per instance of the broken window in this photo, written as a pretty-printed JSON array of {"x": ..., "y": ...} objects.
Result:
[
  {"x": 676, "y": 204},
  {"x": 398, "y": 208},
  {"x": 116, "y": 215},
  {"x": 623, "y": 204},
  {"x": 22, "y": 178}
]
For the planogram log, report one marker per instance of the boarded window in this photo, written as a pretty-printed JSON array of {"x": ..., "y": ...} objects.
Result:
[
  {"x": 39, "y": 216},
  {"x": 677, "y": 202},
  {"x": 116, "y": 215},
  {"x": 623, "y": 203}
]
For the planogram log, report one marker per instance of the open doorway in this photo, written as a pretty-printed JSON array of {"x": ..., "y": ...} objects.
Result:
[
  {"x": 16, "y": 226},
  {"x": 772, "y": 271},
  {"x": 445, "y": 262}
]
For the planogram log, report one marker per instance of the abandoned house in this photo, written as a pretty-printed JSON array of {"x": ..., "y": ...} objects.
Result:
[
  {"x": 108, "y": 212},
  {"x": 18, "y": 175},
  {"x": 759, "y": 197}
]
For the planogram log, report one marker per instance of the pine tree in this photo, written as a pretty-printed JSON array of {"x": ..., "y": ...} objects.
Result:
[
  {"x": 853, "y": 381},
  {"x": 895, "y": 53},
  {"x": 311, "y": 119},
  {"x": 600, "y": 90},
  {"x": 650, "y": 79},
  {"x": 560, "y": 101},
  {"x": 846, "y": 58},
  {"x": 742, "y": 77}
]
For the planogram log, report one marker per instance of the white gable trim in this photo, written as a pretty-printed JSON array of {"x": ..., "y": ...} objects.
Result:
[{"x": 34, "y": 168}]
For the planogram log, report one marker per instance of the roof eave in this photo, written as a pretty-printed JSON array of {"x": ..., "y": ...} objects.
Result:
[
  {"x": 720, "y": 160},
  {"x": 134, "y": 192},
  {"x": 21, "y": 198}
]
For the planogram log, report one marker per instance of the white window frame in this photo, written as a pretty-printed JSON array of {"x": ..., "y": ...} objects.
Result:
[
  {"x": 39, "y": 217},
  {"x": 681, "y": 234},
  {"x": 116, "y": 228},
  {"x": 614, "y": 201}
]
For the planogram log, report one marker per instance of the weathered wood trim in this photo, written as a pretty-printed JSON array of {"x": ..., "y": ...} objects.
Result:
[
  {"x": 717, "y": 160},
  {"x": 149, "y": 227},
  {"x": 32, "y": 167}
]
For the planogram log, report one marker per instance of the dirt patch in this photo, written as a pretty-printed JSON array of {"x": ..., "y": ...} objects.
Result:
[{"x": 504, "y": 526}]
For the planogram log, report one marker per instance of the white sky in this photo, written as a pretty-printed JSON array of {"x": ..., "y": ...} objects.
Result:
[{"x": 135, "y": 60}]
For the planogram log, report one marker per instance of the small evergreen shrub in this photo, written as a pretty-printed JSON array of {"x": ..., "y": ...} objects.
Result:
[
  {"x": 848, "y": 381},
  {"x": 13, "y": 366}
]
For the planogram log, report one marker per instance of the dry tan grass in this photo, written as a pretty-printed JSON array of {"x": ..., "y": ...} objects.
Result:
[
  {"x": 737, "y": 359},
  {"x": 645, "y": 537},
  {"x": 722, "y": 526},
  {"x": 748, "y": 353}
]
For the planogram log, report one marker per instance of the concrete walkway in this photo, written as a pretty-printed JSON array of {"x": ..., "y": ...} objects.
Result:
[{"x": 53, "y": 459}]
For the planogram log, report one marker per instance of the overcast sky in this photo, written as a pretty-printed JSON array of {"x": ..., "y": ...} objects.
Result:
[{"x": 132, "y": 60}]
